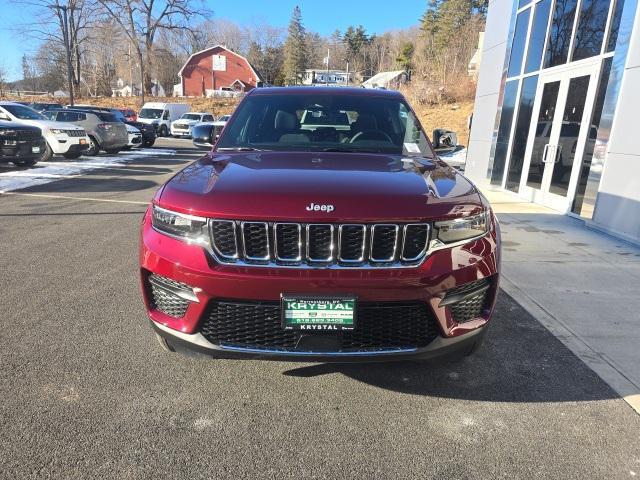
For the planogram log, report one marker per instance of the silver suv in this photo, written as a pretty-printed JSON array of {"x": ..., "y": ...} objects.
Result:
[{"x": 104, "y": 130}]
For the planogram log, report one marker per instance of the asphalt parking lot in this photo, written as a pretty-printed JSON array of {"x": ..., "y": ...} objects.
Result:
[{"x": 87, "y": 393}]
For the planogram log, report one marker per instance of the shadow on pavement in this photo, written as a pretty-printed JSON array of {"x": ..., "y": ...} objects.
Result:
[
  {"x": 520, "y": 361},
  {"x": 88, "y": 183}
]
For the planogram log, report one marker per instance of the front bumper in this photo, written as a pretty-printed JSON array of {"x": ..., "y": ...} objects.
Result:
[
  {"x": 21, "y": 150},
  {"x": 442, "y": 272}
]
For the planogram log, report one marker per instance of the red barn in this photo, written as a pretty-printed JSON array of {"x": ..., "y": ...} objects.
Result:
[{"x": 217, "y": 68}]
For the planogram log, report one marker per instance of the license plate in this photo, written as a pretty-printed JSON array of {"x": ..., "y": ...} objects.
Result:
[
  {"x": 318, "y": 314},
  {"x": 83, "y": 141},
  {"x": 35, "y": 149}
]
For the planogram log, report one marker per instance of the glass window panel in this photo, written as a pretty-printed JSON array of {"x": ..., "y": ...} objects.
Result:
[
  {"x": 519, "y": 40},
  {"x": 560, "y": 33},
  {"x": 615, "y": 26},
  {"x": 591, "y": 138},
  {"x": 543, "y": 132},
  {"x": 591, "y": 26},
  {"x": 521, "y": 132},
  {"x": 537, "y": 36},
  {"x": 569, "y": 132},
  {"x": 522, "y": 3},
  {"x": 504, "y": 130}
]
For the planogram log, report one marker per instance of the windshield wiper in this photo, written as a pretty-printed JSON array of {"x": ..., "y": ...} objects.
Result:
[
  {"x": 351, "y": 150},
  {"x": 239, "y": 149}
]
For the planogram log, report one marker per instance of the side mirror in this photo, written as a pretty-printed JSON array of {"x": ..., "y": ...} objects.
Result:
[{"x": 444, "y": 139}]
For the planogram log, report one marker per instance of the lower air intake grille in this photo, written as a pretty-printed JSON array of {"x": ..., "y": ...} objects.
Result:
[
  {"x": 379, "y": 326},
  {"x": 473, "y": 300},
  {"x": 163, "y": 299}
]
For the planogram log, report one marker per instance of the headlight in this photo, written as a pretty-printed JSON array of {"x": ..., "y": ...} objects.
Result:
[
  {"x": 8, "y": 133},
  {"x": 462, "y": 228},
  {"x": 185, "y": 227},
  {"x": 58, "y": 131}
]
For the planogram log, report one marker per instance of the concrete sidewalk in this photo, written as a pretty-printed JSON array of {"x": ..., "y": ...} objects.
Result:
[{"x": 582, "y": 285}]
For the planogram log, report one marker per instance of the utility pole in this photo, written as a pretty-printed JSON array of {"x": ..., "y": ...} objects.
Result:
[
  {"x": 327, "y": 77},
  {"x": 65, "y": 37}
]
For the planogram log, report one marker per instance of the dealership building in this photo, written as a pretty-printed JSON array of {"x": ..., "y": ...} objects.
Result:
[{"x": 557, "y": 113}]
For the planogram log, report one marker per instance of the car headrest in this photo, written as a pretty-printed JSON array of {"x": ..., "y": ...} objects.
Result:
[{"x": 285, "y": 121}]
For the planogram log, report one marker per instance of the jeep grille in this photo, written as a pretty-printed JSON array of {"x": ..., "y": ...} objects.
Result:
[{"x": 319, "y": 244}]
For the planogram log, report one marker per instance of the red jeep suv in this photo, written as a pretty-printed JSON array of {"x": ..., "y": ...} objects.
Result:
[{"x": 321, "y": 227}]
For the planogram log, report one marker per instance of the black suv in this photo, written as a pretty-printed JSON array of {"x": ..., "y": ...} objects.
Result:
[{"x": 21, "y": 144}]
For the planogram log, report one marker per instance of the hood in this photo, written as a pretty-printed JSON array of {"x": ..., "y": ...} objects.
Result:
[
  {"x": 186, "y": 122},
  {"x": 49, "y": 124},
  {"x": 284, "y": 185}
]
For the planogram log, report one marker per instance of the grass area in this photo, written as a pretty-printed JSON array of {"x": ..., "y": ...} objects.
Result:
[{"x": 450, "y": 116}]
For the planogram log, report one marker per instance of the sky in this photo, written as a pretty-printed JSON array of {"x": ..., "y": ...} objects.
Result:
[{"x": 322, "y": 16}]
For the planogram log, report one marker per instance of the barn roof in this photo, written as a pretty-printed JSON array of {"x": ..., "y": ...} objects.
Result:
[{"x": 258, "y": 78}]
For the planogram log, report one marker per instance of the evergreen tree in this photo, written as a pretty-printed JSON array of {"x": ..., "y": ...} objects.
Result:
[
  {"x": 295, "y": 51},
  {"x": 404, "y": 58}
]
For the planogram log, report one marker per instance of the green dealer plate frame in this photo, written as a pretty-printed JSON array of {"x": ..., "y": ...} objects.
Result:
[{"x": 312, "y": 313}]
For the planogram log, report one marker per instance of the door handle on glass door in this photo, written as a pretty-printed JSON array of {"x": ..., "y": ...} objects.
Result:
[
  {"x": 544, "y": 153},
  {"x": 558, "y": 153}
]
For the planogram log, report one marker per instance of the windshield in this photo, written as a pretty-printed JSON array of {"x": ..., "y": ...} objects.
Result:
[
  {"x": 325, "y": 122},
  {"x": 23, "y": 113},
  {"x": 152, "y": 113},
  {"x": 190, "y": 116}
]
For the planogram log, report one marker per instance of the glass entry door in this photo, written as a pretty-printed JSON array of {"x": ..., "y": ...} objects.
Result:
[{"x": 564, "y": 102}]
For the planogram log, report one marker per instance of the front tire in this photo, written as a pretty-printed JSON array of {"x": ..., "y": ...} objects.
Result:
[
  {"x": 164, "y": 132},
  {"x": 48, "y": 153},
  {"x": 94, "y": 147},
  {"x": 149, "y": 143}
]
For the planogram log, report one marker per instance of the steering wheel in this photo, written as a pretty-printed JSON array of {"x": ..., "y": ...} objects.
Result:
[{"x": 370, "y": 135}]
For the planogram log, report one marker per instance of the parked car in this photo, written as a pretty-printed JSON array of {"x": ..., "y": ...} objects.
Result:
[
  {"x": 23, "y": 145},
  {"x": 160, "y": 115},
  {"x": 129, "y": 114},
  {"x": 135, "y": 137},
  {"x": 148, "y": 131},
  {"x": 204, "y": 135},
  {"x": 224, "y": 118},
  {"x": 103, "y": 128},
  {"x": 60, "y": 138},
  {"x": 320, "y": 244},
  {"x": 43, "y": 107},
  {"x": 182, "y": 126}
]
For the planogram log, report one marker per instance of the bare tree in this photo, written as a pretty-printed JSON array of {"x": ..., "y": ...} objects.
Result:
[
  {"x": 141, "y": 20},
  {"x": 47, "y": 26}
]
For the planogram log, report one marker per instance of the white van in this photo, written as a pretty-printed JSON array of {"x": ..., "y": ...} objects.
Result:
[{"x": 160, "y": 115}]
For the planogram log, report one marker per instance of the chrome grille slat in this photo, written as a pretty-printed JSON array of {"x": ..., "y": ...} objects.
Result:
[
  {"x": 320, "y": 242},
  {"x": 287, "y": 242},
  {"x": 255, "y": 241},
  {"x": 352, "y": 243},
  {"x": 319, "y": 245},
  {"x": 384, "y": 242}
]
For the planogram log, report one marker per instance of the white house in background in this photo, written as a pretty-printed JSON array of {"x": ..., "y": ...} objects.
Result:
[
  {"x": 556, "y": 112},
  {"x": 120, "y": 89},
  {"x": 318, "y": 76},
  {"x": 177, "y": 90},
  {"x": 474, "y": 64},
  {"x": 389, "y": 80},
  {"x": 60, "y": 94}
]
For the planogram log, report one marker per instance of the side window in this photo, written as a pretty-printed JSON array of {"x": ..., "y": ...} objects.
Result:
[
  {"x": 208, "y": 118},
  {"x": 82, "y": 116},
  {"x": 165, "y": 115}
]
